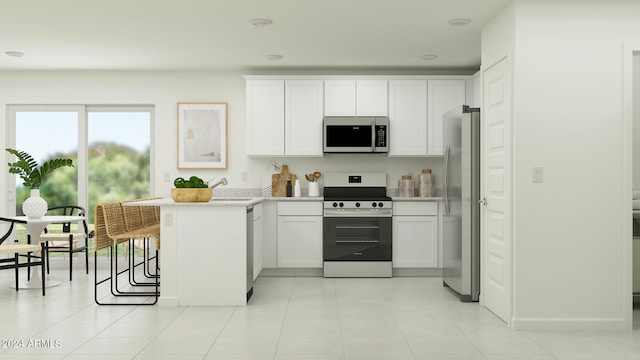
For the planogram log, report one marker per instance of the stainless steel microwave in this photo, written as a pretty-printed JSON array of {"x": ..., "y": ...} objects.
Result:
[{"x": 356, "y": 134}]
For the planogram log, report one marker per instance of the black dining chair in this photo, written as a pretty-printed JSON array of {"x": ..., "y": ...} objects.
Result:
[
  {"x": 16, "y": 249},
  {"x": 63, "y": 238}
]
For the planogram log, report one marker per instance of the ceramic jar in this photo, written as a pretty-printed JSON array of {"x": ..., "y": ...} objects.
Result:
[
  {"x": 426, "y": 183},
  {"x": 406, "y": 186}
]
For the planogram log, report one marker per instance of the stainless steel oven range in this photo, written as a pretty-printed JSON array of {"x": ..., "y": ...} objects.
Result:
[{"x": 357, "y": 225}]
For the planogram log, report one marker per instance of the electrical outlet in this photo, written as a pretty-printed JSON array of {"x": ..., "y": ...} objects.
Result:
[
  {"x": 167, "y": 176},
  {"x": 537, "y": 175},
  {"x": 168, "y": 219},
  {"x": 243, "y": 176}
]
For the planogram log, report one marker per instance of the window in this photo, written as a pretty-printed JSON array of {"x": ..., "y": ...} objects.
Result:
[{"x": 110, "y": 147}]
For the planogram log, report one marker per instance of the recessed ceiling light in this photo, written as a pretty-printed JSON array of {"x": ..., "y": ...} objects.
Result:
[
  {"x": 261, "y": 22},
  {"x": 428, "y": 57},
  {"x": 14, "y": 53},
  {"x": 274, "y": 57},
  {"x": 459, "y": 22}
]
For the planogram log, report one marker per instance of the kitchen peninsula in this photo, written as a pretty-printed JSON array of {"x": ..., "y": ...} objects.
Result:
[{"x": 203, "y": 255}]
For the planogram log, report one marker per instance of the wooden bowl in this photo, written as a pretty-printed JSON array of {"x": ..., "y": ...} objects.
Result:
[{"x": 191, "y": 194}]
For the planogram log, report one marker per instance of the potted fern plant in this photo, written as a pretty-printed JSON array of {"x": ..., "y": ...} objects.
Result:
[{"x": 32, "y": 176}]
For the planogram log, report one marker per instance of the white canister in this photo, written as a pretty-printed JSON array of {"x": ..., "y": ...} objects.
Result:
[
  {"x": 406, "y": 186},
  {"x": 426, "y": 183},
  {"x": 314, "y": 189}
]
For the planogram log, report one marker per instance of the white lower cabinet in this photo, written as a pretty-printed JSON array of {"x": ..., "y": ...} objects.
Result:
[
  {"x": 257, "y": 240},
  {"x": 269, "y": 234},
  {"x": 415, "y": 234},
  {"x": 300, "y": 234}
]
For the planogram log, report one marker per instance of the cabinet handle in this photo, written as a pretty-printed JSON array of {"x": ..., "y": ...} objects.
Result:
[{"x": 445, "y": 172}]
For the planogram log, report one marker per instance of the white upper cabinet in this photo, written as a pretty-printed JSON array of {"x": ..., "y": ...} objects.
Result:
[
  {"x": 284, "y": 116},
  {"x": 443, "y": 95},
  {"x": 340, "y": 98},
  {"x": 407, "y": 117},
  {"x": 372, "y": 98},
  {"x": 303, "y": 117},
  {"x": 355, "y": 98},
  {"x": 265, "y": 117}
]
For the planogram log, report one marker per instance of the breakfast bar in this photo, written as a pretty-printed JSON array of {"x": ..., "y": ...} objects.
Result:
[{"x": 204, "y": 256}]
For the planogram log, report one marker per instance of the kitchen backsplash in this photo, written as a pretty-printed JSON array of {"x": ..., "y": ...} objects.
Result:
[
  {"x": 241, "y": 192},
  {"x": 259, "y": 172}
]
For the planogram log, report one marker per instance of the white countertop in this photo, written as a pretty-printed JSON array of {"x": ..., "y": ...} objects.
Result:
[
  {"x": 300, "y": 198},
  {"x": 248, "y": 201},
  {"x": 217, "y": 201},
  {"x": 417, "y": 198}
]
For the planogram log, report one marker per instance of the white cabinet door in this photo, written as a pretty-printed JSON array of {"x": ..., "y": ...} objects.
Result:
[
  {"x": 408, "y": 117},
  {"x": 300, "y": 241},
  {"x": 415, "y": 241},
  {"x": 355, "y": 98},
  {"x": 339, "y": 97},
  {"x": 257, "y": 247},
  {"x": 443, "y": 96},
  {"x": 269, "y": 234},
  {"x": 265, "y": 117},
  {"x": 371, "y": 98},
  {"x": 303, "y": 117}
]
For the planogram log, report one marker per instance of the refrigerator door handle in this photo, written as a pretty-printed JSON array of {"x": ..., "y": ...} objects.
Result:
[{"x": 445, "y": 172}]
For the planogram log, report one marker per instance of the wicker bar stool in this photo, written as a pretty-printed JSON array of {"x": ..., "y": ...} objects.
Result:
[
  {"x": 141, "y": 220},
  {"x": 110, "y": 230}
]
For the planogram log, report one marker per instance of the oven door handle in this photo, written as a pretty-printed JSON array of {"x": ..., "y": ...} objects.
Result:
[{"x": 356, "y": 213}]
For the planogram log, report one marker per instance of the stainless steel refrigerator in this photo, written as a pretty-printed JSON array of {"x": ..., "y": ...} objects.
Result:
[{"x": 461, "y": 178}]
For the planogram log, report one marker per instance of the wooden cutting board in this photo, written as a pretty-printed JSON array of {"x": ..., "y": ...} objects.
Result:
[{"x": 279, "y": 182}]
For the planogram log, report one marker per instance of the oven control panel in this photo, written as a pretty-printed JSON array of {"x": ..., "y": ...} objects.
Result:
[
  {"x": 363, "y": 204},
  {"x": 358, "y": 204}
]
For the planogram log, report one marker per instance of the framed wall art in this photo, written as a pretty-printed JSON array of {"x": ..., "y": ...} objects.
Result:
[{"x": 202, "y": 135}]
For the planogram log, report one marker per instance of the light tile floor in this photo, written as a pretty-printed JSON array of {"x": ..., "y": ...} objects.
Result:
[{"x": 289, "y": 318}]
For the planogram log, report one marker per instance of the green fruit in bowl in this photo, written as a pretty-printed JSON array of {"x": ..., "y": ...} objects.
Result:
[
  {"x": 179, "y": 182},
  {"x": 193, "y": 182}
]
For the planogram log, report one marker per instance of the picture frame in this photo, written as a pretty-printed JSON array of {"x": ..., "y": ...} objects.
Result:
[{"x": 202, "y": 135}]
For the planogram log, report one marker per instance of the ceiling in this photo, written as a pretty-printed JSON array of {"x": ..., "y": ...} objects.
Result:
[{"x": 218, "y": 34}]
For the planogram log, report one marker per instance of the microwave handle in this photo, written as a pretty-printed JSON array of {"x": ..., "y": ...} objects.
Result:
[{"x": 373, "y": 135}]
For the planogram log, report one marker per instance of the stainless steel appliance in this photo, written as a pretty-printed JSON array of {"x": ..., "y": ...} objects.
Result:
[
  {"x": 357, "y": 225},
  {"x": 356, "y": 134},
  {"x": 461, "y": 177}
]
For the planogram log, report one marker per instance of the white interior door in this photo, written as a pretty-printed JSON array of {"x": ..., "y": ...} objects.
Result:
[{"x": 496, "y": 182}]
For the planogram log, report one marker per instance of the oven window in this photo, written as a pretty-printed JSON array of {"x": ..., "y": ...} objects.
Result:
[
  {"x": 362, "y": 232},
  {"x": 357, "y": 239},
  {"x": 348, "y": 136}
]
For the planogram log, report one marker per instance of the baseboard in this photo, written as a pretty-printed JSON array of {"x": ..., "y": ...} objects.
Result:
[
  {"x": 567, "y": 324},
  {"x": 291, "y": 272},
  {"x": 397, "y": 272},
  {"x": 165, "y": 301},
  {"x": 417, "y": 272}
]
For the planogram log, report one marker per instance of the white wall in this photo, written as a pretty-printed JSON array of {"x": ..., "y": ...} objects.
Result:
[
  {"x": 636, "y": 167},
  {"x": 164, "y": 89},
  {"x": 636, "y": 121},
  {"x": 568, "y": 231}
]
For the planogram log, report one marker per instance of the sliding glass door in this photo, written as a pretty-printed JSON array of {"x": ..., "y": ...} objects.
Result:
[
  {"x": 119, "y": 154},
  {"x": 110, "y": 147},
  {"x": 46, "y": 135}
]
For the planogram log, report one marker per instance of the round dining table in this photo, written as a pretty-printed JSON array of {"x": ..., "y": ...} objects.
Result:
[{"x": 35, "y": 227}]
